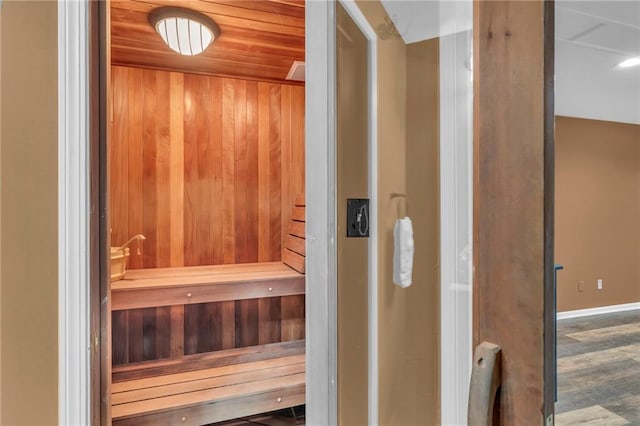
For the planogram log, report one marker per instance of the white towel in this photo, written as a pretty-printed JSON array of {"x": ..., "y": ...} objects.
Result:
[{"x": 403, "y": 252}]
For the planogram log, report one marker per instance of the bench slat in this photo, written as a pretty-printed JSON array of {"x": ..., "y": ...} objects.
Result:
[
  {"x": 212, "y": 275},
  {"x": 203, "y": 293},
  {"x": 294, "y": 260},
  {"x": 208, "y": 395},
  {"x": 169, "y": 379},
  {"x": 217, "y": 411},
  {"x": 295, "y": 244},
  {"x": 154, "y": 273},
  {"x": 297, "y": 229},
  {"x": 195, "y": 362},
  {"x": 208, "y": 380},
  {"x": 298, "y": 214}
]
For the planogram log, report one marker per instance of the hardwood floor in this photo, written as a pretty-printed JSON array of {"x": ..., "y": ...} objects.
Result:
[
  {"x": 289, "y": 417},
  {"x": 599, "y": 370},
  {"x": 598, "y": 374}
]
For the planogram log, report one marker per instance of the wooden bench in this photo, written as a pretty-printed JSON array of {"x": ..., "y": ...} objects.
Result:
[
  {"x": 204, "y": 388},
  {"x": 144, "y": 288},
  {"x": 208, "y": 387}
]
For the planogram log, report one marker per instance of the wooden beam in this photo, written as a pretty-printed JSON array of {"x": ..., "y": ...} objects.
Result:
[{"x": 513, "y": 141}]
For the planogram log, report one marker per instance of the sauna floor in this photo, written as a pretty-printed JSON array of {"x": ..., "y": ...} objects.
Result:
[
  {"x": 599, "y": 370},
  {"x": 288, "y": 417}
]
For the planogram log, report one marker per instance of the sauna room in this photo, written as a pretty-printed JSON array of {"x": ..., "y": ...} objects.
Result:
[{"x": 206, "y": 211}]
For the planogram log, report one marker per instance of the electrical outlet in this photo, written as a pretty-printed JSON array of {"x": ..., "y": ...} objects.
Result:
[
  {"x": 580, "y": 286},
  {"x": 600, "y": 284}
]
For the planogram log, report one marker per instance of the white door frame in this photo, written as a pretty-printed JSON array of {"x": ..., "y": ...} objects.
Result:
[
  {"x": 320, "y": 158},
  {"x": 73, "y": 209},
  {"x": 372, "y": 150},
  {"x": 456, "y": 213},
  {"x": 74, "y": 367}
]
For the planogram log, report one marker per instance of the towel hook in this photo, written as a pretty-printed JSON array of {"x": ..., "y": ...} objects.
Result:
[{"x": 394, "y": 195}]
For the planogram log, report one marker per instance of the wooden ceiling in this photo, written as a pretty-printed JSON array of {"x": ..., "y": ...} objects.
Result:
[{"x": 259, "y": 40}]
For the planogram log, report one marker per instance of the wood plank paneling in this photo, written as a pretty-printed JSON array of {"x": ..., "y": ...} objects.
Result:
[
  {"x": 177, "y": 331},
  {"x": 264, "y": 175},
  {"x": 206, "y": 167},
  {"x": 275, "y": 174},
  {"x": 176, "y": 175},
  {"x": 173, "y": 331},
  {"x": 258, "y": 39},
  {"x": 269, "y": 320},
  {"x": 251, "y": 116},
  {"x": 292, "y": 326},
  {"x": 246, "y": 322}
]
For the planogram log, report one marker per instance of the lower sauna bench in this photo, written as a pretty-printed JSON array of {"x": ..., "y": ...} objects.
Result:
[
  {"x": 207, "y": 387},
  {"x": 210, "y": 387}
]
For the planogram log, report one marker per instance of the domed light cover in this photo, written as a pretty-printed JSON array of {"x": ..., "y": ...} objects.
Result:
[{"x": 185, "y": 31}]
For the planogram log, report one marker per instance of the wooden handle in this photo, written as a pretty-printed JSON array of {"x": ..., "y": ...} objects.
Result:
[{"x": 486, "y": 377}]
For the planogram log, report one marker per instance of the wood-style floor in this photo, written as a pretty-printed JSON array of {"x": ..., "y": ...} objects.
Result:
[
  {"x": 289, "y": 417},
  {"x": 599, "y": 370},
  {"x": 598, "y": 374}
]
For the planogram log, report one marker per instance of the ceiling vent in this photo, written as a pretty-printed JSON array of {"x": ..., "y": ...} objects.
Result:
[{"x": 296, "y": 73}]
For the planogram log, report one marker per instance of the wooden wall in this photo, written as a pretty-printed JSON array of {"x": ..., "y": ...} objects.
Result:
[
  {"x": 172, "y": 331},
  {"x": 207, "y": 168}
]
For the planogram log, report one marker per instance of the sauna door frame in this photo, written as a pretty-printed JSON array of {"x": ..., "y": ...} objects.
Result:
[
  {"x": 83, "y": 270},
  {"x": 321, "y": 184}
]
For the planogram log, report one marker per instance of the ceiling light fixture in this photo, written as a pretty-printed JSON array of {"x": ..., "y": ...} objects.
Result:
[
  {"x": 185, "y": 31},
  {"x": 631, "y": 62}
]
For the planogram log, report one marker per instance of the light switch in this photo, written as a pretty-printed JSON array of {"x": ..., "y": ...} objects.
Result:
[{"x": 358, "y": 217}]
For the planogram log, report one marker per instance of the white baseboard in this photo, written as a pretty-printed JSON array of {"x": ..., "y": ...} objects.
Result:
[{"x": 598, "y": 311}]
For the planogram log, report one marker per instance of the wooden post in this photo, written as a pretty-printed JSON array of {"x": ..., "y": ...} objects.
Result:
[{"x": 513, "y": 199}]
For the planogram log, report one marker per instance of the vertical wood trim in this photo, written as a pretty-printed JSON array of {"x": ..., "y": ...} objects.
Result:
[
  {"x": 297, "y": 142},
  {"x": 264, "y": 173},
  {"x": 190, "y": 329},
  {"x": 240, "y": 171},
  {"x": 292, "y": 314},
  {"x": 275, "y": 177},
  {"x": 163, "y": 332},
  {"x": 550, "y": 303},
  {"x": 177, "y": 331},
  {"x": 136, "y": 337},
  {"x": 104, "y": 226},
  {"x": 269, "y": 320},
  {"x": 217, "y": 155},
  {"x": 509, "y": 198},
  {"x": 191, "y": 197},
  {"x": 120, "y": 327},
  {"x": 149, "y": 170},
  {"x": 203, "y": 197},
  {"x": 228, "y": 324},
  {"x": 228, "y": 171},
  {"x": 246, "y": 322},
  {"x": 162, "y": 137},
  {"x": 149, "y": 329},
  {"x": 133, "y": 141},
  {"x": 252, "y": 210},
  {"x": 176, "y": 170},
  {"x": 117, "y": 156},
  {"x": 286, "y": 199},
  {"x": 98, "y": 122}
]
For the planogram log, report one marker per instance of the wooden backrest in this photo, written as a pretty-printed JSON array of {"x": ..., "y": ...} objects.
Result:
[{"x": 293, "y": 253}]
